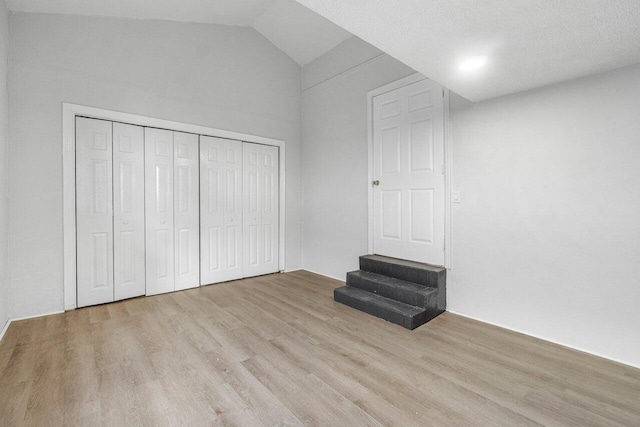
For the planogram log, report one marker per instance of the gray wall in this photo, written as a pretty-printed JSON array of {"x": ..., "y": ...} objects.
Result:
[
  {"x": 217, "y": 76},
  {"x": 546, "y": 239},
  {"x": 4, "y": 166},
  {"x": 334, "y": 123}
]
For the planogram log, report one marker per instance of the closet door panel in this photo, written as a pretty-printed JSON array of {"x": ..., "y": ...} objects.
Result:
[
  {"x": 128, "y": 211},
  {"x": 220, "y": 209},
  {"x": 159, "y": 211},
  {"x": 260, "y": 209},
  {"x": 94, "y": 210},
  {"x": 186, "y": 211},
  {"x": 270, "y": 218}
]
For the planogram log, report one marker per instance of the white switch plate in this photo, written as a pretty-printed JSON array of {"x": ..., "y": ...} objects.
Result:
[{"x": 455, "y": 196}]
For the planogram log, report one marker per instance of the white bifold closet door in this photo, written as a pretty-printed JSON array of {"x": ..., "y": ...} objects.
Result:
[
  {"x": 159, "y": 210},
  {"x": 260, "y": 209},
  {"x": 128, "y": 211},
  {"x": 239, "y": 205},
  {"x": 186, "y": 212},
  {"x": 109, "y": 211},
  {"x": 220, "y": 210},
  {"x": 171, "y": 212},
  {"x": 94, "y": 211}
]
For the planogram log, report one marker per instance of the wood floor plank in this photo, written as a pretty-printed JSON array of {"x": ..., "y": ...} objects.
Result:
[{"x": 277, "y": 350}]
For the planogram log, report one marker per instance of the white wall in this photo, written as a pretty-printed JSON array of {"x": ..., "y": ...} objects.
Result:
[
  {"x": 217, "y": 76},
  {"x": 4, "y": 166},
  {"x": 334, "y": 123},
  {"x": 547, "y": 237}
]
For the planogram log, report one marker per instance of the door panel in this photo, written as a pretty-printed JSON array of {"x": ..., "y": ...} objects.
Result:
[
  {"x": 260, "y": 209},
  {"x": 391, "y": 218},
  {"x": 159, "y": 211},
  {"x": 186, "y": 214},
  {"x": 94, "y": 210},
  {"x": 220, "y": 210},
  {"x": 408, "y": 162},
  {"x": 128, "y": 211}
]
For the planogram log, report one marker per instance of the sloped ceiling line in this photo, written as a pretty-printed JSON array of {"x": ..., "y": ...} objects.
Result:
[{"x": 296, "y": 30}]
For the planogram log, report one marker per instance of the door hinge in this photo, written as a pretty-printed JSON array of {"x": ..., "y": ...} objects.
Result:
[{"x": 444, "y": 168}]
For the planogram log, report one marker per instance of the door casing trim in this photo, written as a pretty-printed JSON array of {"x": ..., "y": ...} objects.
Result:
[
  {"x": 413, "y": 78},
  {"x": 69, "y": 113}
]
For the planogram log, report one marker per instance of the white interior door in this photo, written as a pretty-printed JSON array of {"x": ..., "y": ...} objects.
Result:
[
  {"x": 94, "y": 211},
  {"x": 160, "y": 257},
  {"x": 408, "y": 173},
  {"x": 128, "y": 211},
  {"x": 186, "y": 211},
  {"x": 220, "y": 209},
  {"x": 260, "y": 209}
]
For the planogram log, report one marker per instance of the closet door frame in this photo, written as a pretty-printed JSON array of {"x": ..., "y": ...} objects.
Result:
[{"x": 69, "y": 114}]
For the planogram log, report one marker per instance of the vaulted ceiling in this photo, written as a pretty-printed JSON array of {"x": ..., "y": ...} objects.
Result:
[
  {"x": 479, "y": 49},
  {"x": 294, "y": 29}
]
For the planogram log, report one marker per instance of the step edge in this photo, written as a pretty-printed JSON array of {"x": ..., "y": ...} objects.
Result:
[
  {"x": 429, "y": 289},
  {"x": 417, "y": 265},
  {"x": 378, "y": 297}
]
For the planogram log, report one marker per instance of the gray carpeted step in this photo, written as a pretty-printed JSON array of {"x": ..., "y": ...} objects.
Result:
[
  {"x": 393, "y": 311},
  {"x": 396, "y": 289},
  {"x": 409, "y": 271}
]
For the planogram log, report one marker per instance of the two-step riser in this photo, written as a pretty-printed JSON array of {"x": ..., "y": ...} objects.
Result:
[{"x": 422, "y": 274}]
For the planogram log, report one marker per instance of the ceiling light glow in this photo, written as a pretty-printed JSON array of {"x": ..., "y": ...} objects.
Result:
[{"x": 473, "y": 63}]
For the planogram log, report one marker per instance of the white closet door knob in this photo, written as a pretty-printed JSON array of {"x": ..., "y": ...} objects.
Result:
[
  {"x": 125, "y": 222},
  {"x": 230, "y": 219},
  {"x": 162, "y": 222}
]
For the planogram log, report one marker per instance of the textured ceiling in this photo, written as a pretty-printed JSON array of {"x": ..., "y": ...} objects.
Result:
[
  {"x": 528, "y": 43},
  {"x": 297, "y": 31}
]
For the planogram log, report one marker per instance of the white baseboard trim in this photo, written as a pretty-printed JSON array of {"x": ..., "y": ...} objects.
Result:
[
  {"x": 4, "y": 329},
  {"x": 322, "y": 274},
  {"x": 9, "y": 321},
  {"x": 546, "y": 339},
  {"x": 37, "y": 315}
]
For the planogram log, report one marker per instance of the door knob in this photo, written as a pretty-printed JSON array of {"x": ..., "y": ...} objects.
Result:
[
  {"x": 125, "y": 222},
  {"x": 162, "y": 222},
  {"x": 376, "y": 182}
]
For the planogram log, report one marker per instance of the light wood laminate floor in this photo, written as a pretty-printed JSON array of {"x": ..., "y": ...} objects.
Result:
[{"x": 277, "y": 350}]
